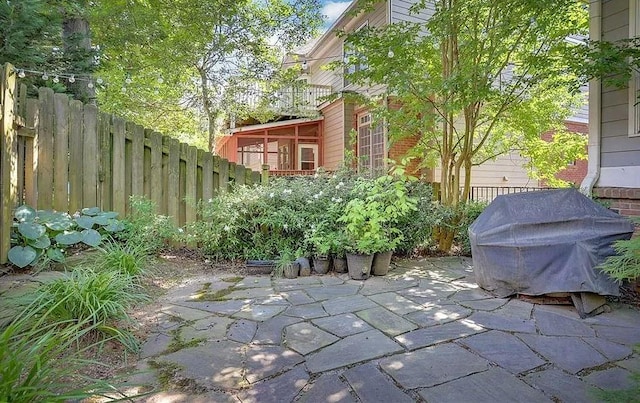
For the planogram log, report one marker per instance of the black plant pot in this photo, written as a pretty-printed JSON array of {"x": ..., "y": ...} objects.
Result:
[{"x": 359, "y": 265}]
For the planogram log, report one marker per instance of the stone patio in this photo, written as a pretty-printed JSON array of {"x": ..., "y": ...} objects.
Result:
[{"x": 424, "y": 332}]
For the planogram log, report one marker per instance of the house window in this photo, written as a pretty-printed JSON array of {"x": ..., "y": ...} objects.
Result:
[
  {"x": 371, "y": 148},
  {"x": 347, "y": 52},
  {"x": 634, "y": 85}
]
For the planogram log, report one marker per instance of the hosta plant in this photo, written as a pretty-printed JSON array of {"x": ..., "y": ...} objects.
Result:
[{"x": 46, "y": 233}]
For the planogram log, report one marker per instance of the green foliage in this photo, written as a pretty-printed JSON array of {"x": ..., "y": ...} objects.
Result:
[
  {"x": 260, "y": 221},
  {"x": 489, "y": 79},
  {"x": 144, "y": 230},
  {"x": 416, "y": 226},
  {"x": 192, "y": 62},
  {"x": 45, "y": 234},
  {"x": 127, "y": 258},
  {"x": 371, "y": 216},
  {"x": 611, "y": 62},
  {"x": 625, "y": 264},
  {"x": 40, "y": 356},
  {"x": 96, "y": 298}
]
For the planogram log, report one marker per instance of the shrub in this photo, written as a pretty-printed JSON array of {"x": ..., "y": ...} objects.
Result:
[
  {"x": 39, "y": 356},
  {"x": 417, "y": 225},
  {"x": 459, "y": 219},
  {"x": 143, "y": 228}
]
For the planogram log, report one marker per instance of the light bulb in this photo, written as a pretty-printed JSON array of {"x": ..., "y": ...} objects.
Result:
[
  {"x": 304, "y": 65},
  {"x": 90, "y": 84},
  {"x": 390, "y": 54},
  {"x": 160, "y": 80},
  {"x": 156, "y": 92},
  {"x": 72, "y": 79},
  {"x": 123, "y": 89},
  {"x": 45, "y": 76},
  {"x": 21, "y": 73},
  {"x": 128, "y": 80},
  {"x": 56, "y": 79},
  {"x": 99, "y": 80}
]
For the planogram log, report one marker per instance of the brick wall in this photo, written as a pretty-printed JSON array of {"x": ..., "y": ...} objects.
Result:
[
  {"x": 576, "y": 172},
  {"x": 399, "y": 149},
  {"x": 625, "y": 201}
]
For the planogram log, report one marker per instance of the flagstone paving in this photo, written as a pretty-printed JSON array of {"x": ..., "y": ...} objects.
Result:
[{"x": 424, "y": 332}]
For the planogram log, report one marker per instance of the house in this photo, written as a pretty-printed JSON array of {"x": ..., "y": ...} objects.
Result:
[
  {"x": 301, "y": 141},
  {"x": 614, "y": 116}
]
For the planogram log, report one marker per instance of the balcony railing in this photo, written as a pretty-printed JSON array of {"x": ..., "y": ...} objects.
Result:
[{"x": 295, "y": 100}]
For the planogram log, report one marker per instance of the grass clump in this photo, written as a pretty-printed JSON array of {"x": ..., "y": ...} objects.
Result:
[
  {"x": 127, "y": 258},
  {"x": 99, "y": 298},
  {"x": 40, "y": 356}
]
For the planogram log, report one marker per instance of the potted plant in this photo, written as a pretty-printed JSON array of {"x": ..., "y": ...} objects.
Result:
[
  {"x": 322, "y": 240},
  {"x": 370, "y": 220},
  {"x": 339, "y": 251},
  {"x": 286, "y": 264}
]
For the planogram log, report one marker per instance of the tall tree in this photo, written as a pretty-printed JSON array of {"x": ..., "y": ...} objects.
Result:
[
  {"x": 200, "y": 55},
  {"x": 479, "y": 79}
]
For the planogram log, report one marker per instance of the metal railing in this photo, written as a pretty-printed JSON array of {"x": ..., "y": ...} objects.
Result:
[
  {"x": 296, "y": 100},
  {"x": 488, "y": 193}
]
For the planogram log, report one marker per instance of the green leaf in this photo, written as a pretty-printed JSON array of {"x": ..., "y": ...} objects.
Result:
[
  {"x": 41, "y": 243},
  {"x": 102, "y": 220},
  {"x": 55, "y": 254},
  {"x": 91, "y": 237},
  {"x": 69, "y": 238},
  {"x": 114, "y": 226},
  {"x": 22, "y": 256},
  {"x": 92, "y": 211},
  {"x": 108, "y": 214},
  {"x": 24, "y": 213},
  {"x": 31, "y": 230},
  {"x": 86, "y": 222},
  {"x": 55, "y": 221}
]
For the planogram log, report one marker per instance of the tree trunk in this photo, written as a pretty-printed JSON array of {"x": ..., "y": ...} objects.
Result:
[{"x": 77, "y": 49}]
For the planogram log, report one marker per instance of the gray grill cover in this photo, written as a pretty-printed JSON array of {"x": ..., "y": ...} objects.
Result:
[{"x": 545, "y": 242}]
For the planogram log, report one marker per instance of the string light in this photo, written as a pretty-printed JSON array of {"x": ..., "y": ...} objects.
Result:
[
  {"x": 72, "y": 79},
  {"x": 304, "y": 65},
  {"x": 56, "y": 79},
  {"x": 21, "y": 73},
  {"x": 45, "y": 76},
  {"x": 160, "y": 80},
  {"x": 390, "y": 54}
]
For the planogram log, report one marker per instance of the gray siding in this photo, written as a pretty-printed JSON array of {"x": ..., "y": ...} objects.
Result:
[
  {"x": 400, "y": 11},
  {"x": 617, "y": 148}
]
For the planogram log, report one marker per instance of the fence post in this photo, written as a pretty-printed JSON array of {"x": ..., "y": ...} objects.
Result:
[
  {"x": 265, "y": 174},
  {"x": 8, "y": 162}
]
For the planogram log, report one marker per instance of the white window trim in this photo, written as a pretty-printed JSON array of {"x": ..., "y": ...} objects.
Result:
[
  {"x": 369, "y": 123},
  {"x": 634, "y": 84}
]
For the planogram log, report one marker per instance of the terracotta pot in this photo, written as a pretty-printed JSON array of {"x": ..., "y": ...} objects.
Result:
[
  {"x": 381, "y": 262},
  {"x": 321, "y": 264},
  {"x": 359, "y": 266},
  {"x": 340, "y": 264}
]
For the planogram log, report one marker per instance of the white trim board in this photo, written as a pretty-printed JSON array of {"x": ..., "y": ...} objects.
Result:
[{"x": 619, "y": 177}]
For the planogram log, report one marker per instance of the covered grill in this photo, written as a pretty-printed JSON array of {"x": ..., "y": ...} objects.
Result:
[{"x": 545, "y": 242}]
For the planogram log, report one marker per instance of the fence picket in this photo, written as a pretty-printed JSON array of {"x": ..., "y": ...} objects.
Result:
[
  {"x": 31, "y": 155},
  {"x": 173, "y": 180},
  {"x": 45, "y": 149},
  {"x": 76, "y": 159},
  {"x": 137, "y": 161},
  {"x": 8, "y": 158},
  {"x": 156, "y": 171},
  {"x": 118, "y": 165},
  {"x": 91, "y": 157},
  {"x": 191, "y": 193},
  {"x": 61, "y": 152},
  {"x": 207, "y": 175},
  {"x": 105, "y": 174}
]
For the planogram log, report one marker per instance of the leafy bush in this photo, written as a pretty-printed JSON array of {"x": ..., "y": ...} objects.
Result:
[
  {"x": 416, "y": 226},
  {"x": 146, "y": 229},
  {"x": 46, "y": 234},
  {"x": 99, "y": 298},
  {"x": 459, "y": 219},
  {"x": 260, "y": 221},
  {"x": 39, "y": 356},
  {"x": 625, "y": 264}
]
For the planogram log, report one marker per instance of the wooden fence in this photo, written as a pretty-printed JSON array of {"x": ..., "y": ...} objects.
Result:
[{"x": 57, "y": 153}]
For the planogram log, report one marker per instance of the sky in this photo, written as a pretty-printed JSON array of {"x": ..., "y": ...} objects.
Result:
[{"x": 332, "y": 9}]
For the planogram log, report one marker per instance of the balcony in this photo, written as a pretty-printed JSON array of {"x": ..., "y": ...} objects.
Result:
[{"x": 301, "y": 100}]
